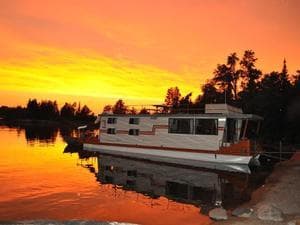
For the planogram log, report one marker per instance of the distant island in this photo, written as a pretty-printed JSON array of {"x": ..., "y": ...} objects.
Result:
[
  {"x": 46, "y": 111},
  {"x": 275, "y": 96}
]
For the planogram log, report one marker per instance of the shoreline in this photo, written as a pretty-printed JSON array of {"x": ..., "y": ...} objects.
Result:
[{"x": 278, "y": 198}]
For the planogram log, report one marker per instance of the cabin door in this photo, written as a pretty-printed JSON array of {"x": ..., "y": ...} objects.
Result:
[{"x": 231, "y": 130}]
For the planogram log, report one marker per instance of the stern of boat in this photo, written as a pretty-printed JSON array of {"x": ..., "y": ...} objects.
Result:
[{"x": 245, "y": 147}]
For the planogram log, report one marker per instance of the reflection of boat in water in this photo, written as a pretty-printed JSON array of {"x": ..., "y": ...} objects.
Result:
[
  {"x": 204, "y": 187},
  {"x": 223, "y": 134},
  {"x": 81, "y": 154},
  {"x": 73, "y": 141},
  {"x": 77, "y": 137}
]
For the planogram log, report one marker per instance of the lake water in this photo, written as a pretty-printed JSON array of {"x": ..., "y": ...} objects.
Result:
[{"x": 40, "y": 178}]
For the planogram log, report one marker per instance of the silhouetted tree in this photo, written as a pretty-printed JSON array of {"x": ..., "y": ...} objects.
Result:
[
  {"x": 85, "y": 111},
  {"x": 210, "y": 94},
  {"x": 10, "y": 113},
  {"x": 296, "y": 79},
  {"x": 144, "y": 111},
  {"x": 284, "y": 68},
  {"x": 119, "y": 107},
  {"x": 293, "y": 111},
  {"x": 232, "y": 60},
  {"x": 226, "y": 77},
  {"x": 172, "y": 98},
  {"x": 249, "y": 73},
  {"x": 185, "y": 103},
  {"x": 133, "y": 111},
  {"x": 271, "y": 104},
  {"x": 85, "y": 114},
  {"x": 68, "y": 111},
  {"x": 33, "y": 108},
  {"x": 224, "y": 80},
  {"x": 48, "y": 110},
  {"x": 78, "y": 110},
  {"x": 107, "y": 109},
  {"x": 284, "y": 78}
]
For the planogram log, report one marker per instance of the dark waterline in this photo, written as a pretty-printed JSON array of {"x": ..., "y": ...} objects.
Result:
[{"x": 41, "y": 178}]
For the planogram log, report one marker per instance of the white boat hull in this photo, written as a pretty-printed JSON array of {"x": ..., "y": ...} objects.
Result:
[{"x": 168, "y": 156}]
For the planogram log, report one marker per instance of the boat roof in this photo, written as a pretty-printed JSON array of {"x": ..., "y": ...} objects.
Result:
[{"x": 186, "y": 115}]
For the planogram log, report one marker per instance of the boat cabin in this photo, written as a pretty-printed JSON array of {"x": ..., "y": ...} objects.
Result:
[{"x": 221, "y": 126}]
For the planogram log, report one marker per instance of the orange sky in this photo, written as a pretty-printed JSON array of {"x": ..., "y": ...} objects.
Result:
[{"x": 98, "y": 51}]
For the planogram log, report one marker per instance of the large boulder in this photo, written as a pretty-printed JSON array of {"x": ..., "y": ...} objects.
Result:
[
  {"x": 269, "y": 212},
  {"x": 218, "y": 214}
]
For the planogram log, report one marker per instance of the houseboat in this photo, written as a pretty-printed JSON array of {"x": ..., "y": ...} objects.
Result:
[{"x": 222, "y": 134}]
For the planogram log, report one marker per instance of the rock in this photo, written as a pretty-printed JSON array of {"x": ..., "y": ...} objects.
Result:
[
  {"x": 292, "y": 222},
  {"x": 218, "y": 214},
  {"x": 269, "y": 212},
  {"x": 242, "y": 212}
]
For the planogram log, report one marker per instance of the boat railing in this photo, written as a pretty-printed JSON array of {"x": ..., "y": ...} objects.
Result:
[
  {"x": 156, "y": 109},
  {"x": 279, "y": 150}
]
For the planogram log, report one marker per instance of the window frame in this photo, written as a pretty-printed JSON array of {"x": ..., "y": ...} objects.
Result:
[
  {"x": 135, "y": 132},
  {"x": 134, "y": 120},
  {"x": 111, "y": 120},
  {"x": 216, "y": 121},
  {"x": 111, "y": 129},
  {"x": 192, "y": 123}
]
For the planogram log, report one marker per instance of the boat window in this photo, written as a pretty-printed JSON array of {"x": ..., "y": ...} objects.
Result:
[
  {"x": 206, "y": 126},
  {"x": 177, "y": 190},
  {"x": 134, "y": 120},
  {"x": 134, "y": 132},
  {"x": 130, "y": 183},
  {"x": 181, "y": 126},
  {"x": 132, "y": 173},
  {"x": 111, "y": 131},
  {"x": 112, "y": 120},
  {"x": 108, "y": 179},
  {"x": 252, "y": 129}
]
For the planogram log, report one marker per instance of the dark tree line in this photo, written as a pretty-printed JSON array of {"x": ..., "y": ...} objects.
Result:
[{"x": 47, "y": 110}]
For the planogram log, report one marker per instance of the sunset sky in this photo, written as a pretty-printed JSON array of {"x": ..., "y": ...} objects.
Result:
[{"x": 99, "y": 51}]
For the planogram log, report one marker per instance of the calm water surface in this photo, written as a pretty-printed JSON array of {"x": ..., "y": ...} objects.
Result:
[{"x": 42, "y": 179}]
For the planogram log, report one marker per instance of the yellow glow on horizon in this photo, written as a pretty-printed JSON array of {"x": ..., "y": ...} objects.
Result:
[{"x": 55, "y": 71}]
